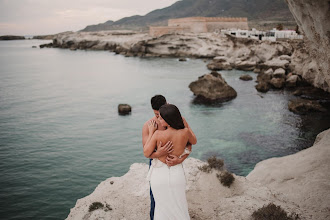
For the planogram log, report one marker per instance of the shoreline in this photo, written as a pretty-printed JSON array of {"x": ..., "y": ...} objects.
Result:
[
  {"x": 225, "y": 52},
  {"x": 128, "y": 196}
]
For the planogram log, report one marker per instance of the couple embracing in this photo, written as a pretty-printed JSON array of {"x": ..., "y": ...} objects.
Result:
[{"x": 167, "y": 140}]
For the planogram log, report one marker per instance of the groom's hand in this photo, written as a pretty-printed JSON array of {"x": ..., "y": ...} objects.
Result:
[
  {"x": 166, "y": 149},
  {"x": 173, "y": 160}
]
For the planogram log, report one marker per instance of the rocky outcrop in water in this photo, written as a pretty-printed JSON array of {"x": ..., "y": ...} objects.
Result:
[
  {"x": 245, "y": 77},
  {"x": 303, "y": 106},
  {"x": 124, "y": 109},
  {"x": 276, "y": 180},
  {"x": 12, "y": 37},
  {"x": 313, "y": 61},
  {"x": 211, "y": 88}
]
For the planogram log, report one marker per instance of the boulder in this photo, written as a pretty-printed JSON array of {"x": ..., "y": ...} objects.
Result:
[
  {"x": 275, "y": 63},
  {"x": 182, "y": 59},
  {"x": 266, "y": 77},
  {"x": 219, "y": 63},
  {"x": 245, "y": 65},
  {"x": 219, "y": 66},
  {"x": 279, "y": 73},
  {"x": 211, "y": 88},
  {"x": 277, "y": 83},
  {"x": 245, "y": 77},
  {"x": 285, "y": 57},
  {"x": 303, "y": 106},
  {"x": 291, "y": 81},
  {"x": 124, "y": 109},
  {"x": 262, "y": 86},
  {"x": 220, "y": 59}
]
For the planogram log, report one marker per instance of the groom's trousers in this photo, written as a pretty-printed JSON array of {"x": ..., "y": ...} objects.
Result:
[{"x": 152, "y": 200}]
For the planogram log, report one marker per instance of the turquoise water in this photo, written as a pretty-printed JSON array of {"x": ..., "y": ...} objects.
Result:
[{"x": 61, "y": 135}]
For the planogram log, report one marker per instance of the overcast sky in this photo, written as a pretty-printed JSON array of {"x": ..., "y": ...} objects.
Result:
[{"x": 37, "y": 17}]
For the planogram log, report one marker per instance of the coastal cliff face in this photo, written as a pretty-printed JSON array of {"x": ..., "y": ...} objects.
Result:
[
  {"x": 313, "y": 18},
  {"x": 277, "y": 180}
]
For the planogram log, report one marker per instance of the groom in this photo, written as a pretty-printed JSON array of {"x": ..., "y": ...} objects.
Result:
[{"x": 156, "y": 102}]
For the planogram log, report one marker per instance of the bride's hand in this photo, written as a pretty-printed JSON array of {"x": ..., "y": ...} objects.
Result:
[{"x": 152, "y": 126}]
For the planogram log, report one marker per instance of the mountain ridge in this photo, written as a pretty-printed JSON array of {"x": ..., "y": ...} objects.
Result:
[{"x": 257, "y": 11}]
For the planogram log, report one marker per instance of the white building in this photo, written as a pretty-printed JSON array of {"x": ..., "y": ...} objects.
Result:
[{"x": 272, "y": 35}]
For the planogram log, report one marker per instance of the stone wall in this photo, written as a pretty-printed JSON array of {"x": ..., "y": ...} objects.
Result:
[
  {"x": 208, "y": 24},
  {"x": 162, "y": 30},
  {"x": 313, "y": 19},
  {"x": 199, "y": 25}
]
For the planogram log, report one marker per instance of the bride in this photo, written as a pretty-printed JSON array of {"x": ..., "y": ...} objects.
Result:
[{"x": 168, "y": 184}]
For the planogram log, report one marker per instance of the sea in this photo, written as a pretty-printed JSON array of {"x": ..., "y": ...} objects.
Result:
[{"x": 61, "y": 134}]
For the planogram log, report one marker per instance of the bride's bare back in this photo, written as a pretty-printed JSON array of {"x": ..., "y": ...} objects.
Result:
[{"x": 179, "y": 139}]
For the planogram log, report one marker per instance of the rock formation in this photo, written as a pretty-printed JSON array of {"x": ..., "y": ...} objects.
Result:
[
  {"x": 245, "y": 77},
  {"x": 211, "y": 88},
  {"x": 277, "y": 180},
  {"x": 124, "y": 109},
  {"x": 313, "y": 62},
  {"x": 12, "y": 37},
  {"x": 303, "y": 106},
  {"x": 302, "y": 178}
]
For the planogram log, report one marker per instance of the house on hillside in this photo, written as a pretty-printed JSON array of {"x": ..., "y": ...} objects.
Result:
[{"x": 199, "y": 25}]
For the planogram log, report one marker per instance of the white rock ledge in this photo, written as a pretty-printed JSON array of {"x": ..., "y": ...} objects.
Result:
[{"x": 299, "y": 183}]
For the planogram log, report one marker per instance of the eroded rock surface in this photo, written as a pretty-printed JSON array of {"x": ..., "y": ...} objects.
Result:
[
  {"x": 212, "y": 88},
  {"x": 277, "y": 180},
  {"x": 313, "y": 62}
]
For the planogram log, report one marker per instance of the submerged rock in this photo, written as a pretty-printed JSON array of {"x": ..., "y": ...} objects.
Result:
[
  {"x": 303, "y": 106},
  {"x": 245, "y": 77},
  {"x": 211, "y": 88}
]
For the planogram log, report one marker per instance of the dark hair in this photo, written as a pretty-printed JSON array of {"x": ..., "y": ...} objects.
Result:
[
  {"x": 157, "y": 101},
  {"x": 171, "y": 114}
]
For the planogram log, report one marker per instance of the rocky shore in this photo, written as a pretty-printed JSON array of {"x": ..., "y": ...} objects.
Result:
[
  {"x": 299, "y": 183},
  {"x": 279, "y": 64},
  {"x": 12, "y": 37}
]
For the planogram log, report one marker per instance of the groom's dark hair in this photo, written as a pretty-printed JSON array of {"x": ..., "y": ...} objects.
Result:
[{"x": 157, "y": 101}]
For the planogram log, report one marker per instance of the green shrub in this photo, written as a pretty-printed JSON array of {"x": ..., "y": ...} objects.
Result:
[
  {"x": 205, "y": 168},
  {"x": 95, "y": 205},
  {"x": 215, "y": 163},
  {"x": 226, "y": 178},
  {"x": 273, "y": 212}
]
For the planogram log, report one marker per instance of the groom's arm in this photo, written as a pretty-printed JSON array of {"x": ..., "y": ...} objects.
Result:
[{"x": 173, "y": 160}]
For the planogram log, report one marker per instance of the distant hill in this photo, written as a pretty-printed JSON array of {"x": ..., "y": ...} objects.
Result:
[{"x": 261, "y": 12}]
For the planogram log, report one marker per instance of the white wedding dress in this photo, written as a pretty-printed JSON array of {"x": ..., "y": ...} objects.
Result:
[{"x": 168, "y": 185}]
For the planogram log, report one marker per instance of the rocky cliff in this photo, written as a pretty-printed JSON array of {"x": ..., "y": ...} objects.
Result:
[
  {"x": 277, "y": 180},
  {"x": 313, "y": 18}
]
